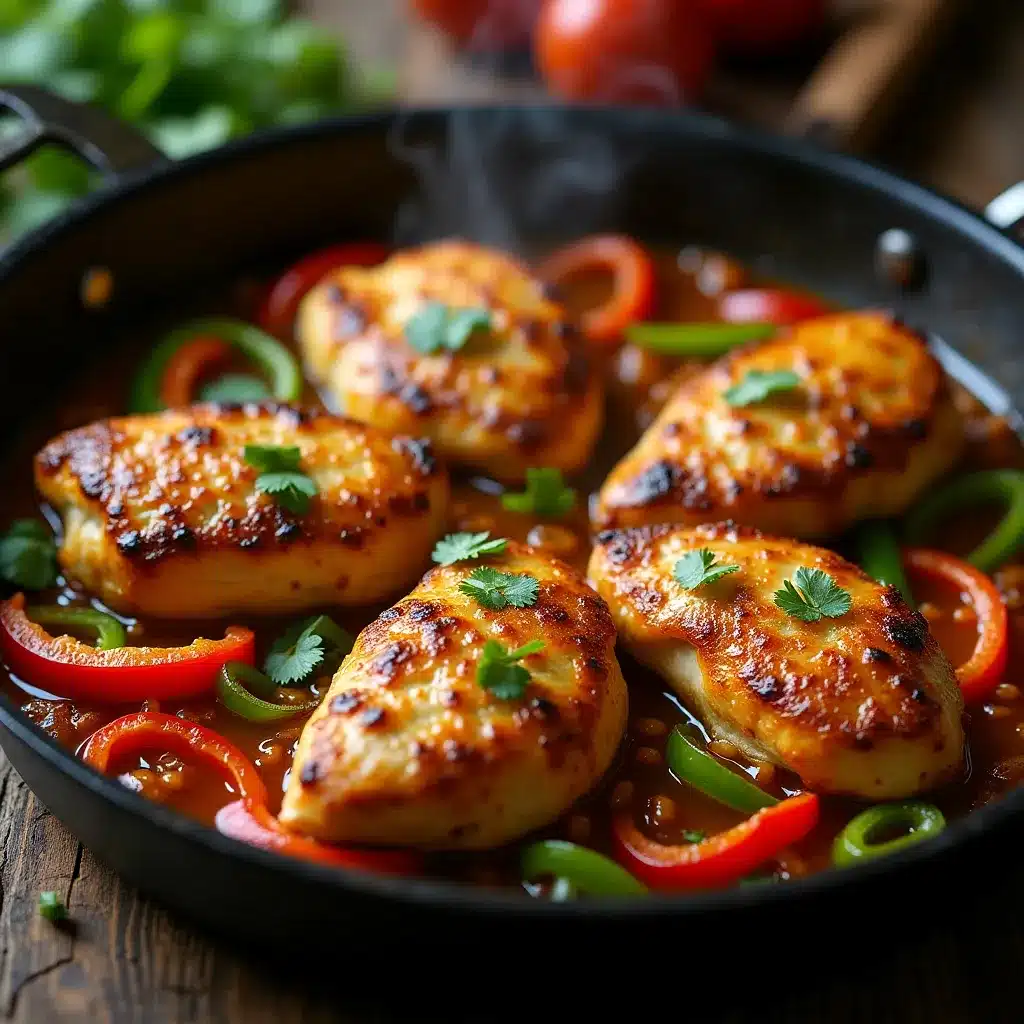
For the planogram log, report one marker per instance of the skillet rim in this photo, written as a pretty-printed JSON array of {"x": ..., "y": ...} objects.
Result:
[{"x": 979, "y": 825}]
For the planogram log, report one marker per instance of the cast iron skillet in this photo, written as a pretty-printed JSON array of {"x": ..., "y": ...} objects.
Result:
[{"x": 167, "y": 230}]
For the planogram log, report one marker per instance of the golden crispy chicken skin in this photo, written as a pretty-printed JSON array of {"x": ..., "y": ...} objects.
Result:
[
  {"x": 162, "y": 516},
  {"x": 522, "y": 393},
  {"x": 863, "y": 704},
  {"x": 409, "y": 749},
  {"x": 870, "y": 424}
]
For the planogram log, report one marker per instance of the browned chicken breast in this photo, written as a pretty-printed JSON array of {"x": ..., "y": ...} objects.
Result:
[
  {"x": 864, "y": 703},
  {"x": 162, "y": 515},
  {"x": 409, "y": 748},
  {"x": 519, "y": 392},
  {"x": 866, "y": 423}
]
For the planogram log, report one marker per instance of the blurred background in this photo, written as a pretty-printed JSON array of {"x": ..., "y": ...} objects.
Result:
[{"x": 932, "y": 87}]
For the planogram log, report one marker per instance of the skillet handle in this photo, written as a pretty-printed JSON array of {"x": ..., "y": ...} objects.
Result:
[
  {"x": 1006, "y": 211},
  {"x": 109, "y": 145}
]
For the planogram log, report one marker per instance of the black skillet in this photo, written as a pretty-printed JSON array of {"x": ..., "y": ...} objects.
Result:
[{"x": 169, "y": 230}]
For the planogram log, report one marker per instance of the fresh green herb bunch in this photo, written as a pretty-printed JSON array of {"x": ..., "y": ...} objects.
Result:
[{"x": 191, "y": 73}]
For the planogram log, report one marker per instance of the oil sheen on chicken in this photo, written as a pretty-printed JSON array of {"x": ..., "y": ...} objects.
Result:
[
  {"x": 162, "y": 515},
  {"x": 864, "y": 704},
  {"x": 502, "y": 402},
  {"x": 869, "y": 425},
  {"x": 409, "y": 749}
]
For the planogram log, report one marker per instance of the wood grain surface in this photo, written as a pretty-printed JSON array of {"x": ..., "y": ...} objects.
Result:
[{"x": 126, "y": 960}]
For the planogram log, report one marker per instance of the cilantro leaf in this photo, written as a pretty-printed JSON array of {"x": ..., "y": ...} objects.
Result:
[
  {"x": 269, "y": 458},
  {"x": 495, "y": 590},
  {"x": 281, "y": 476},
  {"x": 814, "y": 596},
  {"x": 435, "y": 326},
  {"x": 498, "y": 673},
  {"x": 758, "y": 385},
  {"x": 28, "y": 555},
  {"x": 304, "y": 647},
  {"x": 460, "y": 547},
  {"x": 696, "y": 568},
  {"x": 234, "y": 388},
  {"x": 546, "y": 495},
  {"x": 694, "y": 835},
  {"x": 291, "y": 490}
]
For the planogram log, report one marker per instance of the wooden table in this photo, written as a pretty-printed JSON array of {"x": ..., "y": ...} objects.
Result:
[{"x": 129, "y": 961}]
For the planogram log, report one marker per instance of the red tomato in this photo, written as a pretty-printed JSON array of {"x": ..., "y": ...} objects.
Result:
[
  {"x": 642, "y": 51},
  {"x": 484, "y": 25},
  {"x": 761, "y": 26}
]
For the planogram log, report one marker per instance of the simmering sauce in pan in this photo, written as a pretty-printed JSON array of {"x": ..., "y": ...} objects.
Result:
[{"x": 690, "y": 284}]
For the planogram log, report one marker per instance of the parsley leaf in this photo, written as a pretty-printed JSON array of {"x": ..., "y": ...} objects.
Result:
[
  {"x": 290, "y": 490},
  {"x": 304, "y": 647},
  {"x": 234, "y": 388},
  {"x": 269, "y": 458},
  {"x": 498, "y": 673},
  {"x": 546, "y": 495},
  {"x": 28, "y": 555},
  {"x": 495, "y": 590},
  {"x": 814, "y": 596},
  {"x": 696, "y": 568},
  {"x": 280, "y": 475},
  {"x": 435, "y": 326},
  {"x": 460, "y": 547},
  {"x": 758, "y": 385},
  {"x": 694, "y": 835}
]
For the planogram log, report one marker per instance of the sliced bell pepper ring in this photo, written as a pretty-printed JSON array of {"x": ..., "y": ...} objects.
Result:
[
  {"x": 880, "y": 557},
  {"x": 1005, "y": 486},
  {"x": 982, "y": 672},
  {"x": 235, "y": 683},
  {"x": 250, "y": 822},
  {"x": 905, "y": 823},
  {"x": 187, "y": 366},
  {"x": 719, "y": 860},
  {"x": 282, "y": 302},
  {"x": 769, "y": 305},
  {"x": 696, "y": 341},
  {"x": 633, "y": 282},
  {"x": 69, "y": 668},
  {"x": 702, "y": 771},
  {"x": 586, "y": 870},
  {"x": 131, "y": 735},
  {"x": 268, "y": 354},
  {"x": 110, "y": 634}
]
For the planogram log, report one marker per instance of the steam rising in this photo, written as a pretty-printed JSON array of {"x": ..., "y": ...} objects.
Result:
[{"x": 508, "y": 177}]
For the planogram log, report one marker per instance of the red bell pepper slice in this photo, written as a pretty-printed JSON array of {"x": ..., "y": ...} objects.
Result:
[
  {"x": 131, "y": 735},
  {"x": 68, "y": 667},
  {"x": 719, "y": 860},
  {"x": 633, "y": 282},
  {"x": 252, "y": 823},
  {"x": 246, "y": 819},
  {"x": 769, "y": 306},
  {"x": 187, "y": 366},
  {"x": 983, "y": 671},
  {"x": 282, "y": 302}
]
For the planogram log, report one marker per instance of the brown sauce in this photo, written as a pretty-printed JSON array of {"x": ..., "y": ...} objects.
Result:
[{"x": 639, "y": 383}]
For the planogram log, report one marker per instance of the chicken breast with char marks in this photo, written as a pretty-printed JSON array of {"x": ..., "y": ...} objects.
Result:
[
  {"x": 868, "y": 426},
  {"x": 520, "y": 392},
  {"x": 162, "y": 515},
  {"x": 409, "y": 749},
  {"x": 863, "y": 704}
]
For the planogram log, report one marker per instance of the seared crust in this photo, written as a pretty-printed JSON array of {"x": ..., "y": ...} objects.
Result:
[
  {"x": 408, "y": 749},
  {"x": 162, "y": 517},
  {"x": 863, "y": 704},
  {"x": 870, "y": 426},
  {"x": 526, "y": 395}
]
